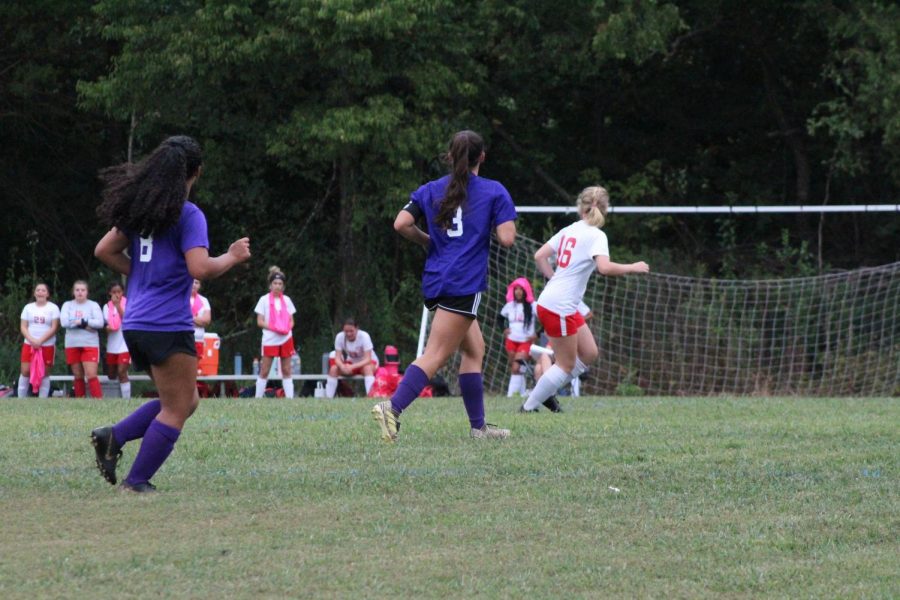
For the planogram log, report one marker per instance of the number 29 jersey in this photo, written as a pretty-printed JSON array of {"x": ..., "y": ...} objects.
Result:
[
  {"x": 575, "y": 247},
  {"x": 457, "y": 257}
]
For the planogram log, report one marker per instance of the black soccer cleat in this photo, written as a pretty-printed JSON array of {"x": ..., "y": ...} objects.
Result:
[
  {"x": 108, "y": 452},
  {"x": 138, "y": 488},
  {"x": 552, "y": 404}
]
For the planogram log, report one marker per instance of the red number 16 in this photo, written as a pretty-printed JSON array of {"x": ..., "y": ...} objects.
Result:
[{"x": 564, "y": 254}]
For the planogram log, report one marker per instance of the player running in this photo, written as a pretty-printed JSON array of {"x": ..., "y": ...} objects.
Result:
[
  {"x": 461, "y": 212},
  {"x": 159, "y": 239},
  {"x": 579, "y": 249}
]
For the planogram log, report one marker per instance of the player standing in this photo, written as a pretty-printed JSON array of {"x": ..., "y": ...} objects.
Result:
[
  {"x": 275, "y": 316},
  {"x": 82, "y": 319},
  {"x": 39, "y": 324},
  {"x": 579, "y": 249},
  {"x": 202, "y": 314},
  {"x": 520, "y": 314},
  {"x": 165, "y": 235},
  {"x": 461, "y": 211},
  {"x": 117, "y": 357}
]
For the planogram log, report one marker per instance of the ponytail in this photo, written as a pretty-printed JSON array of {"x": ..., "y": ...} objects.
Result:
[
  {"x": 465, "y": 150},
  {"x": 593, "y": 204}
]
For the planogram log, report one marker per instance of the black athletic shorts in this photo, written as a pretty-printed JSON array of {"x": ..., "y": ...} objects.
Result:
[
  {"x": 153, "y": 347},
  {"x": 464, "y": 305}
]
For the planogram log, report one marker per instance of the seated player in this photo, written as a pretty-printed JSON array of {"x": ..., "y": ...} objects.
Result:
[{"x": 353, "y": 355}]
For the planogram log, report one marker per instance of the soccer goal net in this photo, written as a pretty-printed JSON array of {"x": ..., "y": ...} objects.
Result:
[{"x": 830, "y": 335}]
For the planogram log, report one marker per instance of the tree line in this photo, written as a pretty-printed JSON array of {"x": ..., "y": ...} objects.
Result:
[{"x": 318, "y": 118}]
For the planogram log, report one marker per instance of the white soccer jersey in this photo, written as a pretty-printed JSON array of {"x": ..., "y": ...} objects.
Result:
[
  {"x": 40, "y": 319},
  {"x": 115, "y": 340},
  {"x": 575, "y": 247},
  {"x": 354, "y": 350},
  {"x": 71, "y": 315},
  {"x": 515, "y": 314},
  {"x": 199, "y": 332},
  {"x": 269, "y": 337}
]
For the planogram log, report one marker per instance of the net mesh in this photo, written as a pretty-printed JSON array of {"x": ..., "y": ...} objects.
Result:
[{"x": 830, "y": 335}]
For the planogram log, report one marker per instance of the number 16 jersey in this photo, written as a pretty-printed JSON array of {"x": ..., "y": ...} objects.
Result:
[{"x": 575, "y": 247}]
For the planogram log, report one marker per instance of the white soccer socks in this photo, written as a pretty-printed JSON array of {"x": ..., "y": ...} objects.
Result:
[
  {"x": 546, "y": 386},
  {"x": 288, "y": 385},
  {"x": 330, "y": 386},
  {"x": 516, "y": 384},
  {"x": 260, "y": 387},
  {"x": 126, "y": 389},
  {"x": 368, "y": 380}
]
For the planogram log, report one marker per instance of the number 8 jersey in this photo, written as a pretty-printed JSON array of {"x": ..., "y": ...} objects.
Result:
[
  {"x": 575, "y": 247},
  {"x": 159, "y": 285}
]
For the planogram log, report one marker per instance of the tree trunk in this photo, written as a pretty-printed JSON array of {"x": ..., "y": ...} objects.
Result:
[{"x": 346, "y": 248}]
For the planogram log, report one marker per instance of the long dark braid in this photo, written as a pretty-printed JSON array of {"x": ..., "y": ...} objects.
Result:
[
  {"x": 147, "y": 198},
  {"x": 465, "y": 149}
]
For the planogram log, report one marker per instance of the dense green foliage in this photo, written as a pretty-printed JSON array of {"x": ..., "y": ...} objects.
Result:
[
  {"x": 615, "y": 498},
  {"x": 319, "y": 117}
]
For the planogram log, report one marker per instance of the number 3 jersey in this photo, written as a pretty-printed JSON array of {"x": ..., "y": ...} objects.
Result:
[
  {"x": 159, "y": 285},
  {"x": 575, "y": 247},
  {"x": 457, "y": 256}
]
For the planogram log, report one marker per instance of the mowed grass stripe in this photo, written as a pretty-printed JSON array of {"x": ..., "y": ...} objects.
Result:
[{"x": 738, "y": 496}]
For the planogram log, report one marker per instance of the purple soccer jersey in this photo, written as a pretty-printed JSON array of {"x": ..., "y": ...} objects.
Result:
[
  {"x": 458, "y": 256},
  {"x": 159, "y": 286}
]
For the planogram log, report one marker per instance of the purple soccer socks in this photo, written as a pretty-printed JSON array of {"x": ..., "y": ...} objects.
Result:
[
  {"x": 412, "y": 384},
  {"x": 159, "y": 440},
  {"x": 134, "y": 425},
  {"x": 472, "y": 389}
]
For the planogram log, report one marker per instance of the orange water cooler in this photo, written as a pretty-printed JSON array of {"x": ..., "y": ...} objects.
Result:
[{"x": 208, "y": 364}]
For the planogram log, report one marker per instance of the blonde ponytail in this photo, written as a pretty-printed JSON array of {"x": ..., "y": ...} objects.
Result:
[{"x": 593, "y": 204}]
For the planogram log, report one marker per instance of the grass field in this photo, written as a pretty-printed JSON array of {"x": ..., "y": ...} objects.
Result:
[{"x": 732, "y": 497}]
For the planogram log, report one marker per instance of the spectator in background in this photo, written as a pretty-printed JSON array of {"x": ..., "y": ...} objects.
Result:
[
  {"x": 117, "y": 356},
  {"x": 39, "y": 324},
  {"x": 82, "y": 319},
  {"x": 353, "y": 355},
  {"x": 519, "y": 314},
  {"x": 202, "y": 313},
  {"x": 275, "y": 316}
]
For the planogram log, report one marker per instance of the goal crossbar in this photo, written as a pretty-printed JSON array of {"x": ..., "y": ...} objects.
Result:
[{"x": 725, "y": 209}]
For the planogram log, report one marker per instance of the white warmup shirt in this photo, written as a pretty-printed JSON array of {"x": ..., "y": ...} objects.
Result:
[
  {"x": 115, "y": 340},
  {"x": 40, "y": 318},
  {"x": 199, "y": 332},
  {"x": 355, "y": 350},
  {"x": 515, "y": 314},
  {"x": 71, "y": 314},
  {"x": 575, "y": 247},
  {"x": 269, "y": 337}
]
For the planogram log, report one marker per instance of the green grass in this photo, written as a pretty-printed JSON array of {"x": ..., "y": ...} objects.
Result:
[{"x": 738, "y": 497}]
